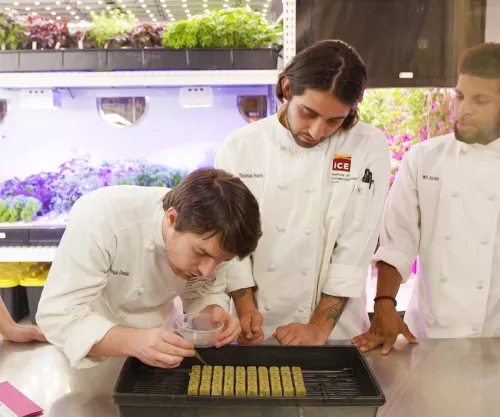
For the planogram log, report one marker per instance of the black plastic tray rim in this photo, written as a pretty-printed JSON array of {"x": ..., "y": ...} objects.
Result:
[
  {"x": 145, "y": 59},
  {"x": 185, "y": 401}
]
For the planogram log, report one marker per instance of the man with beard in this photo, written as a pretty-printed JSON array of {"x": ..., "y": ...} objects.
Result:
[
  {"x": 321, "y": 178},
  {"x": 444, "y": 208}
]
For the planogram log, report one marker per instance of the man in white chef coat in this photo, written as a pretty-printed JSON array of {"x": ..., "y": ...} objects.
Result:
[
  {"x": 128, "y": 251},
  {"x": 444, "y": 207},
  {"x": 321, "y": 178}
]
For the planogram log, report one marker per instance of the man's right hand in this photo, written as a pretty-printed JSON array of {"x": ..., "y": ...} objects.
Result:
[
  {"x": 251, "y": 331},
  {"x": 385, "y": 328},
  {"x": 160, "y": 348}
]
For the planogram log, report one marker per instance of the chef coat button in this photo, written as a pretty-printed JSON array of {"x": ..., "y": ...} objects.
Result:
[
  {"x": 140, "y": 290},
  {"x": 272, "y": 268},
  {"x": 280, "y": 228},
  {"x": 310, "y": 190},
  {"x": 301, "y": 309},
  {"x": 479, "y": 286},
  {"x": 484, "y": 242},
  {"x": 151, "y": 248},
  {"x": 448, "y": 237},
  {"x": 443, "y": 279},
  {"x": 307, "y": 232},
  {"x": 281, "y": 186},
  {"x": 282, "y": 147},
  {"x": 267, "y": 307},
  {"x": 304, "y": 271},
  {"x": 455, "y": 194},
  {"x": 492, "y": 197},
  {"x": 474, "y": 327}
]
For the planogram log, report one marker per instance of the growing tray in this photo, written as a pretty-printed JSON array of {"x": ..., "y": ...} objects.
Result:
[
  {"x": 31, "y": 236},
  {"x": 138, "y": 59},
  {"x": 337, "y": 378}
]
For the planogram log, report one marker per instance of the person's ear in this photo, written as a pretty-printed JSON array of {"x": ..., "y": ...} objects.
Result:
[
  {"x": 171, "y": 216},
  {"x": 285, "y": 88}
]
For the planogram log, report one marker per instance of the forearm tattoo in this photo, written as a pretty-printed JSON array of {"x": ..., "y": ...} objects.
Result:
[
  {"x": 239, "y": 293},
  {"x": 335, "y": 310}
]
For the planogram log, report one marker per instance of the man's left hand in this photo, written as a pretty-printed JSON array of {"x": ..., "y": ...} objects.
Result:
[
  {"x": 295, "y": 334},
  {"x": 21, "y": 334},
  {"x": 231, "y": 328}
]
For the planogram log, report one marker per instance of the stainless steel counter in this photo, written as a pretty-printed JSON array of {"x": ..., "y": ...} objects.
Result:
[{"x": 438, "y": 378}]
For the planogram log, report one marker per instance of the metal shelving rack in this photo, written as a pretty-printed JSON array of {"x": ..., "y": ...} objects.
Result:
[{"x": 140, "y": 79}]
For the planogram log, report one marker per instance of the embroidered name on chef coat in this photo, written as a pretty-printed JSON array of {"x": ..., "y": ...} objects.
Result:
[
  {"x": 120, "y": 272},
  {"x": 341, "y": 168},
  {"x": 255, "y": 175}
]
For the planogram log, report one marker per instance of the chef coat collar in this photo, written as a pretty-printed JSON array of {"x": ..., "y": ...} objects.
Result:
[
  {"x": 159, "y": 215},
  {"x": 286, "y": 140},
  {"x": 492, "y": 147}
]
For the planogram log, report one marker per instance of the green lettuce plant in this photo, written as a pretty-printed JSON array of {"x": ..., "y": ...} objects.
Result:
[
  {"x": 238, "y": 27},
  {"x": 12, "y": 31},
  {"x": 110, "y": 29}
]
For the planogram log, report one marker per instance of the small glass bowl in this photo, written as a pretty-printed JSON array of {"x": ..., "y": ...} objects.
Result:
[{"x": 199, "y": 328}]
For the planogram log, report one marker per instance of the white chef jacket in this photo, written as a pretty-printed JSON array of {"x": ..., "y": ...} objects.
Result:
[
  {"x": 111, "y": 268},
  {"x": 444, "y": 206},
  {"x": 320, "y": 222}
]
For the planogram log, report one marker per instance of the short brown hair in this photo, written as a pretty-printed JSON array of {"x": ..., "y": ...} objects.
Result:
[
  {"x": 211, "y": 200},
  {"x": 482, "y": 60},
  {"x": 329, "y": 65}
]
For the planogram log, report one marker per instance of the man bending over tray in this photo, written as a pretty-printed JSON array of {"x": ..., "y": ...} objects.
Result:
[{"x": 128, "y": 251}]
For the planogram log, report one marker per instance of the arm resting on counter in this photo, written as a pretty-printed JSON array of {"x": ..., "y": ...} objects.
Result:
[
  {"x": 15, "y": 333},
  {"x": 327, "y": 314},
  {"x": 388, "y": 281},
  {"x": 6, "y": 321}
]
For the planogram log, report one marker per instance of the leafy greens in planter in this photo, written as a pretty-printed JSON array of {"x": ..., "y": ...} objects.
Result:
[
  {"x": 13, "y": 209},
  {"x": 55, "y": 192},
  {"x": 12, "y": 31},
  {"x": 110, "y": 31},
  {"x": 46, "y": 33},
  {"x": 146, "y": 35},
  {"x": 239, "y": 27}
]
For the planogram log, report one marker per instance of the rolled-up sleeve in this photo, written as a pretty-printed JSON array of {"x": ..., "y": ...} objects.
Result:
[
  {"x": 400, "y": 230},
  {"x": 75, "y": 280},
  {"x": 238, "y": 273},
  {"x": 358, "y": 234}
]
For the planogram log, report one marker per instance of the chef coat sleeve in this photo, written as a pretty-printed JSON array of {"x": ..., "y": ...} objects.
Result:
[
  {"x": 200, "y": 293},
  {"x": 76, "y": 278},
  {"x": 239, "y": 272},
  {"x": 359, "y": 231},
  {"x": 400, "y": 229}
]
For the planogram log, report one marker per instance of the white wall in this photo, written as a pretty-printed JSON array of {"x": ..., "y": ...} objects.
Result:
[
  {"x": 492, "y": 33},
  {"x": 36, "y": 140}
]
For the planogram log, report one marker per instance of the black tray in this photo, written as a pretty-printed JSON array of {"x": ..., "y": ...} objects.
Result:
[
  {"x": 138, "y": 59},
  {"x": 335, "y": 376},
  {"x": 31, "y": 236}
]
